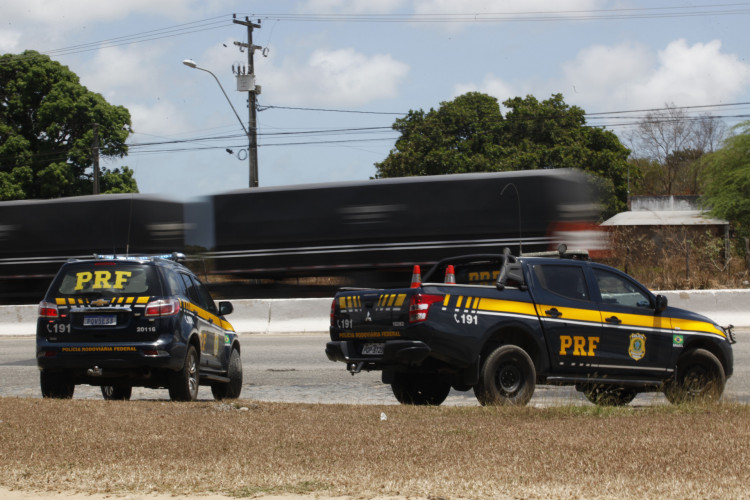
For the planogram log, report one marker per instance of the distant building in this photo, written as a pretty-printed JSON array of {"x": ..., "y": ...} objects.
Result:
[{"x": 650, "y": 215}]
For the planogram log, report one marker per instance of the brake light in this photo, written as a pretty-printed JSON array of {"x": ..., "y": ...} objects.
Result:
[
  {"x": 47, "y": 310},
  {"x": 333, "y": 310},
  {"x": 419, "y": 306},
  {"x": 162, "y": 307}
]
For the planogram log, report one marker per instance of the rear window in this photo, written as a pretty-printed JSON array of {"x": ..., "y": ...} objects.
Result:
[{"x": 106, "y": 278}]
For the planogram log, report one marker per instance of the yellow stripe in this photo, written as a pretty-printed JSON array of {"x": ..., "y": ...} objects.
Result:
[
  {"x": 390, "y": 301},
  {"x": 642, "y": 320},
  {"x": 695, "y": 326},
  {"x": 60, "y": 301},
  {"x": 400, "y": 299},
  {"x": 142, "y": 300},
  {"x": 459, "y": 301},
  {"x": 572, "y": 313},
  {"x": 512, "y": 306},
  {"x": 446, "y": 300}
]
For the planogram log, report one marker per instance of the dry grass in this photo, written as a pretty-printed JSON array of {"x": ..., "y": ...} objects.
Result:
[
  {"x": 673, "y": 258},
  {"x": 471, "y": 452}
]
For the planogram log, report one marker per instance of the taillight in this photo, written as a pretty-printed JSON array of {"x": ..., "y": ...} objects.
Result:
[
  {"x": 162, "y": 307},
  {"x": 333, "y": 310},
  {"x": 419, "y": 306},
  {"x": 47, "y": 310}
]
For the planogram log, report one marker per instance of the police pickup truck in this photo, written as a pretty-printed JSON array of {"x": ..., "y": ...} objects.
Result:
[{"x": 500, "y": 325}]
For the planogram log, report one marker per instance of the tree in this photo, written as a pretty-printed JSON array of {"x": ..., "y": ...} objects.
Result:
[
  {"x": 470, "y": 134},
  {"x": 46, "y": 130},
  {"x": 728, "y": 180},
  {"x": 668, "y": 144}
]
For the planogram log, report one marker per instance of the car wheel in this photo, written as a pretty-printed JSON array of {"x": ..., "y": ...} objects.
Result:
[
  {"x": 231, "y": 389},
  {"x": 184, "y": 383},
  {"x": 609, "y": 395},
  {"x": 507, "y": 377},
  {"x": 420, "y": 388},
  {"x": 699, "y": 377},
  {"x": 56, "y": 385},
  {"x": 117, "y": 392}
]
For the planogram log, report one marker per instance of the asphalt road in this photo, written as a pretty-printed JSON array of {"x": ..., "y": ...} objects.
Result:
[{"x": 294, "y": 368}]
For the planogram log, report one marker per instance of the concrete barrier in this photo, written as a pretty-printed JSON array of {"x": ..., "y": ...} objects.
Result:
[
  {"x": 249, "y": 316},
  {"x": 312, "y": 315}
]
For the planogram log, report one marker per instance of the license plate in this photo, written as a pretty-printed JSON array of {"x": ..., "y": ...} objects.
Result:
[
  {"x": 100, "y": 320},
  {"x": 373, "y": 349}
]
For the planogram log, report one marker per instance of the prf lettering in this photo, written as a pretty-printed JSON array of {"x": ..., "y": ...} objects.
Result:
[
  {"x": 581, "y": 346},
  {"x": 102, "y": 279}
]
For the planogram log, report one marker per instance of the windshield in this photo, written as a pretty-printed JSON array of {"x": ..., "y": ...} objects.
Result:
[{"x": 106, "y": 278}]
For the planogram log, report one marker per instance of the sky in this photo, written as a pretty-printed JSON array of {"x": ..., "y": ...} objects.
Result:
[{"x": 335, "y": 74}]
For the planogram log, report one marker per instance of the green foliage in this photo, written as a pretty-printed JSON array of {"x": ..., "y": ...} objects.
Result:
[
  {"x": 46, "y": 130},
  {"x": 727, "y": 190},
  {"x": 470, "y": 134}
]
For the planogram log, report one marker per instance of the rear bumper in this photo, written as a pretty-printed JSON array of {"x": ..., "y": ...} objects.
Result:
[
  {"x": 92, "y": 363},
  {"x": 395, "y": 352}
]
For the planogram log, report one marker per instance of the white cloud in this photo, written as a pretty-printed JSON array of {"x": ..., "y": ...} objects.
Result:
[
  {"x": 629, "y": 76},
  {"x": 510, "y": 7},
  {"x": 351, "y": 6},
  {"x": 490, "y": 85},
  {"x": 86, "y": 11},
  {"x": 125, "y": 73},
  {"x": 9, "y": 41},
  {"x": 341, "y": 77},
  {"x": 161, "y": 119}
]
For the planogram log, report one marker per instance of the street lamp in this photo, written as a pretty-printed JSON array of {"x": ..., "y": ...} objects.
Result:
[{"x": 192, "y": 64}]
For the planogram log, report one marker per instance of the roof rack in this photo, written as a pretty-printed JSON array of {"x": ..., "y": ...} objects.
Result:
[{"x": 562, "y": 252}]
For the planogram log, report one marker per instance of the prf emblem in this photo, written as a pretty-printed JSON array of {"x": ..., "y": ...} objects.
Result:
[{"x": 637, "y": 347}]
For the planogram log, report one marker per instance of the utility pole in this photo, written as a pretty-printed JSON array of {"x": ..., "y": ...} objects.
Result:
[
  {"x": 249, "y": 85},
  {"x": 95, "y": 156}
]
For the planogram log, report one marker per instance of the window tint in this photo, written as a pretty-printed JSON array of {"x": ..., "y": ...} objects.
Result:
[
  {"x": 107, "y": 278},
  {"x": 192, "y": 295},
  {"x": 198, "y": 294},
  {"x": 206, "y": 301},
  {"x": 176, "y": 285},
  {"x": 620, "y": 291},
  {"x": 568, "y": 281}
]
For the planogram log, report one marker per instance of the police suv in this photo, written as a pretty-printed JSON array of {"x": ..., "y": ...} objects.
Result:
[
  {"x": 120, "y": 322},
  {"x": 500, "y": 325}
]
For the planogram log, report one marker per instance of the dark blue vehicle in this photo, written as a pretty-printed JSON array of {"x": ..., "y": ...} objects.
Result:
[
  {"x": 501, "y": 325},
  {"x": 121, "y": 322}
]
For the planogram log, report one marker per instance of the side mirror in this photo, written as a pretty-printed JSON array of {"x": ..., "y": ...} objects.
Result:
[
  {"x": 225, "y": 308},
  {"x": 661, "y": 303}
]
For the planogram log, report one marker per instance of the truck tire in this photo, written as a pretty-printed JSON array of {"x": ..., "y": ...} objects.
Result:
[
  {"x": 420, "y": 389},
  {"x": 56, "y": 385},
  {"x": 609, "y": 395},
  {"x": 699, "y": 377},
  {"x": 117, "y": 392},
  {"x": 507, "y": 377},
  {"x": 231, "y": 389},
  {"x": 184, "y": 383}
]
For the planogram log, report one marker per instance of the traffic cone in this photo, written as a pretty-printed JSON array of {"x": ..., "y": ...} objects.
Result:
[
  {"x": 450, "y": 274},
  {"x": 416, "y": 277}
]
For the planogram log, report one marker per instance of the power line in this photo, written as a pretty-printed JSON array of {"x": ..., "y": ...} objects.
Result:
[{"x": 726, "y": 9}]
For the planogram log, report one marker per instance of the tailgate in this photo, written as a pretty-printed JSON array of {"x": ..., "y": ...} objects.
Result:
[{"x": 370, "y": 314}]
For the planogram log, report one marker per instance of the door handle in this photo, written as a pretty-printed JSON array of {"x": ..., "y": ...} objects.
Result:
[
  {"x": 614, "y": 320},
  {"x": 553, "y": 312}
]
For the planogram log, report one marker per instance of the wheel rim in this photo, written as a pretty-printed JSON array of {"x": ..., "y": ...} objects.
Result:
[
  {"x": 509, "y": 379},
  {"x": 193, "y": 375}
]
